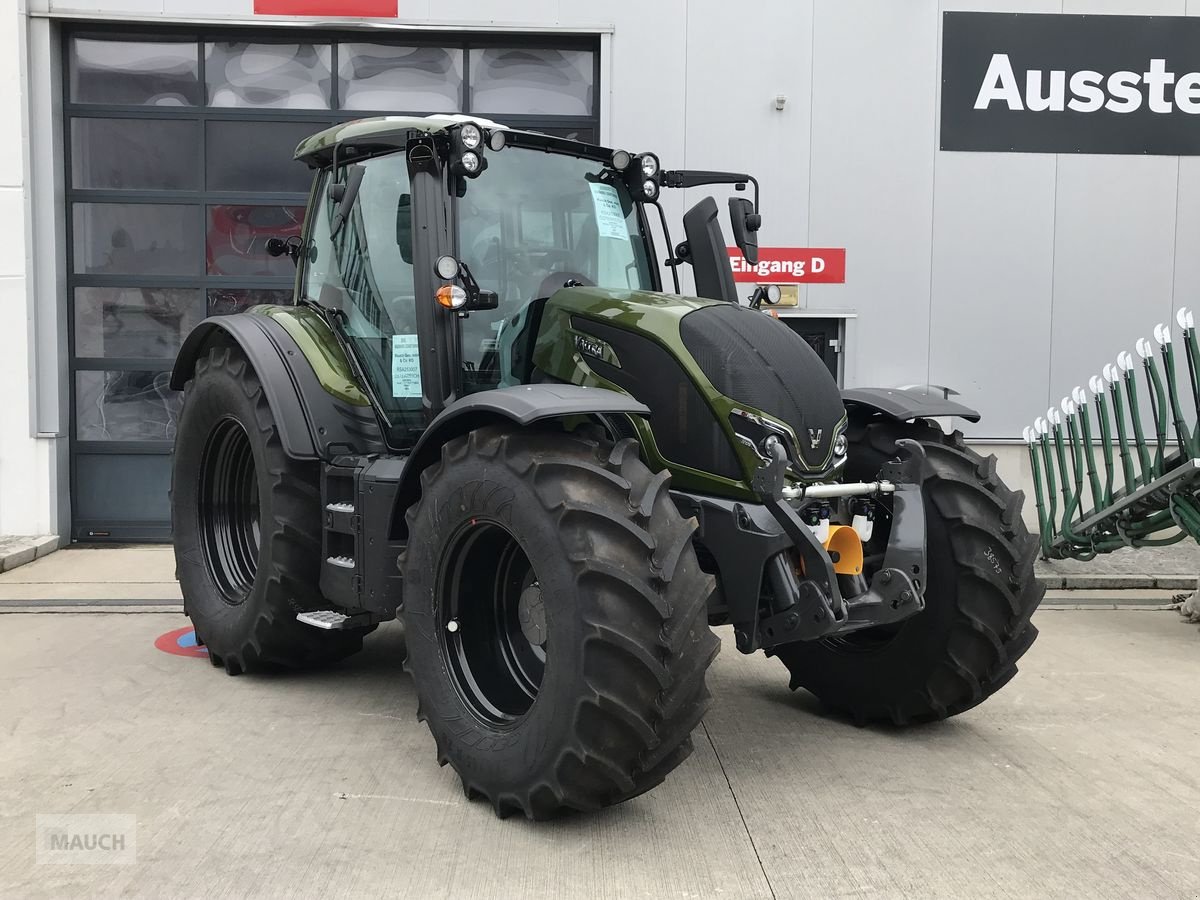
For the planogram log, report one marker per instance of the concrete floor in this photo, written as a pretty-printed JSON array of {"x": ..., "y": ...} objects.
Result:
[{"x": 1077, "y": 780}]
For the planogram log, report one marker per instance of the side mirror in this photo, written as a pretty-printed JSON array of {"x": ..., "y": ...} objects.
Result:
[
  {"x": 404, "y": 227},
  {"x": 344, "y": 193},
  {"x": 745, "y": 223},
  {"x": 289, "y": 247},
  {"x": 705, "y": 250}
]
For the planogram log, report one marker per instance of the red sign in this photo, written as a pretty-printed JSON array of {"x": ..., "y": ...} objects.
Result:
[
  {"x": 387, "y": 9},
  {"x": 791, "y": 265}
]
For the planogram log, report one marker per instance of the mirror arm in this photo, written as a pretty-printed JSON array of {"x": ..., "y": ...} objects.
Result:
[
  {"x": 688, "y": 178},
  {"x": 672, "y": 262}
]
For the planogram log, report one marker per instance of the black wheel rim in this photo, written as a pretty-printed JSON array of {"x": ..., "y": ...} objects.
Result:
[
  {"x": 229, "y": 511},
  {"x": 492, "y": 623}
]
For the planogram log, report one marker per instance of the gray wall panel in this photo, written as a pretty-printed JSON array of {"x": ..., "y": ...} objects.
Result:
[
  {"x": 537, "y": 12},
  {"x": 874, "y": 103},
  {"x": 993, "y": 270},
  {"x": 1187, "y": 236},
  {"x": 1125, "y": 7},
  {"x": 1114, "y": 255},
  {"x": 992, "y": 280},
  {"x": 1187, "y": 226},
  {"x": 734, "y": 63}
]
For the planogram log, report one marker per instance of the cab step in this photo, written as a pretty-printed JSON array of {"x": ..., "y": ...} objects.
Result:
[
  {"x": 359, "y": 553},
  {"x": 332, "y": 620}
]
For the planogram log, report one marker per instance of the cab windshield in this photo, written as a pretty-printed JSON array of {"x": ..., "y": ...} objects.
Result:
[{"x": 528, "y": 226}]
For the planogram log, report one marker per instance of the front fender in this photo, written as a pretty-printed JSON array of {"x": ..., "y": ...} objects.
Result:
[
  {"x": 905, "y": 404},
  {"x": 522, "y": 405}
]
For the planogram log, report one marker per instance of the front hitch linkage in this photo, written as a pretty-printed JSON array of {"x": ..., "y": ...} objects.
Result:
[{"x": 813, "y": 607}]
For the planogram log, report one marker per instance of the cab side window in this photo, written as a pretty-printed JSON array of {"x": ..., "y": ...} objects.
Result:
[{"x": 366, "y": 269}]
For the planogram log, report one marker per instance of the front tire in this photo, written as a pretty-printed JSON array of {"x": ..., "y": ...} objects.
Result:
[
  {"x": 981, "y": 591},
  {"x": 556, "y": 620},
  {"x": 247, "y": 526}
]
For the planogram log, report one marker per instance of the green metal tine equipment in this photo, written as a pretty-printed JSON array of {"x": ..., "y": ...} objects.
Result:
[{"x": 1158, "y": 500}]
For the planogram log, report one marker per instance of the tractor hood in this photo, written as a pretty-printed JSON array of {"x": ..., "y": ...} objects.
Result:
[{"x": 720, "y": 380}]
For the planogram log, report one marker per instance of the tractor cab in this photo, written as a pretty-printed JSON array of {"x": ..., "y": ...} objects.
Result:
[{"x": 412, "y": 219}]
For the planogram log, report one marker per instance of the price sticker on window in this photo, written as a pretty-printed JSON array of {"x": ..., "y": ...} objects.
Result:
[
  {"x": 610, "y": 218},
  {"x": 406, "y": 366}
]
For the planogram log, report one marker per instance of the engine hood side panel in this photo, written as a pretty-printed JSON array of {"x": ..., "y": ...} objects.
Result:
[{"x": 576, "y": 344}]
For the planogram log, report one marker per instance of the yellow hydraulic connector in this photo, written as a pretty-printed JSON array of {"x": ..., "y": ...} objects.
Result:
[{"x": 845, "y": 542}]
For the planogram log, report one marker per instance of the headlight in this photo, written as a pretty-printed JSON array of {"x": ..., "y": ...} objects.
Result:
[
  {"x": 756, "y": 432},
  {"x": 840, "y": 445},
  {"x": 649, "y": 165},
  {"x": 471, "y": 136}
]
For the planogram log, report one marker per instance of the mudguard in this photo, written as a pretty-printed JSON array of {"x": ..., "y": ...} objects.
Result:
[
  {"x": 522, "y": 405},
  {"x": 905, "y": 404},
  {"x": 313, "y": 423}
]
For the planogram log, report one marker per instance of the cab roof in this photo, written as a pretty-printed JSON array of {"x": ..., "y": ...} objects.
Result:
[{"x": 366, "y": 135}]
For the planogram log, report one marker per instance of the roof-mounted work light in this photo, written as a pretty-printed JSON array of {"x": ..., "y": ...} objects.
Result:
[
  {"x": 645, "y": 177},
  {"x": 466, "y": 150}
]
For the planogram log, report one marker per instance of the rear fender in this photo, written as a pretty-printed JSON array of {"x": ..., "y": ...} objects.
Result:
[{"x": 313, "y": 423}]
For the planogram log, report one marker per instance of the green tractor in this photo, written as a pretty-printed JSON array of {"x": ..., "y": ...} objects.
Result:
[{"x": 485, "y": 417}]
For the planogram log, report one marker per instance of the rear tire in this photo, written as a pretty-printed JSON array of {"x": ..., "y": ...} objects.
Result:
[
  {"x": 556, "y": 620},
  {"x": 247, "y": 526},
  {"x": 981, "y": 591}
]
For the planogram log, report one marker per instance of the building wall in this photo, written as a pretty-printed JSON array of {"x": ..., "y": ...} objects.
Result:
[
  {"x": 1009, "y": 277},
  {"x": 30, "y": 452}
]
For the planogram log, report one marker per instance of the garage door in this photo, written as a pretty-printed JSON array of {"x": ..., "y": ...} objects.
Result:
[{"x": 178, "y": 171}]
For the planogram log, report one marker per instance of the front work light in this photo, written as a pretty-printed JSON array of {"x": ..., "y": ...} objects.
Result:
[
  {"x": 649, "y": 163},
  {"x": 446, "y": 267},
  {"x": 470, "y": 163},
  {"x": 650, "y": 189}
]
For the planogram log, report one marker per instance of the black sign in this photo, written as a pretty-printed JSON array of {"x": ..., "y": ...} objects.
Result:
[{"x": 1071, "y": 84}]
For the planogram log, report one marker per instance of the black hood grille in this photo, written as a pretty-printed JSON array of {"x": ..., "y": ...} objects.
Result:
[{"x": 755, "y": 359}]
